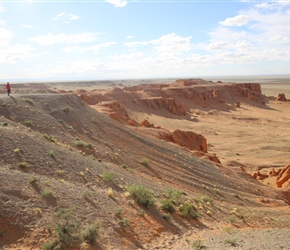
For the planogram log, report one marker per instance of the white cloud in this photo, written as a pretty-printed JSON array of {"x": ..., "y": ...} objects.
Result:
[
  {"x": 239, "y": 20},
  {"x": 129, "y": 37},
  {"x": 26, "y": 26},
  {"x": 1, "y": 8},
  {"x": 94, "y": 49},
  {"x": 67, "y": 18},
  {"x": 118, "y": 3},
  {"x": 51, "y": 39}
]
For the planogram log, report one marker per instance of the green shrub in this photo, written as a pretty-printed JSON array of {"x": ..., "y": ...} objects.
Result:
[
  {"x": 66, "y": 109},
  {"x": 188, "y": 210},
  {"x": 79, "y": 143},
  {"x": 49, "y": 137},
  {"x": 89, "y": 146},
  {"x": 167, "y": 216},
  {"x": 28, "y": 123},
  {"x": 173, "y": 195},
  {"x": 4, "y": 124},
  {"x": 167, "y": 205},
  {"x": 145, "y": 161},
  {"x": 198, "y": 245},
  {"x": 51, "y": 153},
  {"x": 28, "y": 100},
  {"x": 45, "y": 193},
  {"x": 109, "y": 177},
  {"x": 141, "y": 195},
  {"x": 48, "y": 246},
  {"x": 22, "y": 165},
  {"x": 126, "y": 224},
  {"x": 231, "y": 242},
  {"x": 90, "y": 234}
]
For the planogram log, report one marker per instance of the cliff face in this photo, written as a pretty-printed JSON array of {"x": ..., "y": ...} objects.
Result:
[{"x": 167, "y": 103}]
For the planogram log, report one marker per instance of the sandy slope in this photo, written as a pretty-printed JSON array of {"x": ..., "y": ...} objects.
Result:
[{"x": 226, "y": 198}]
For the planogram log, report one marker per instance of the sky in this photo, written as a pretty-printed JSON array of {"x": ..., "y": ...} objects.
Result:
[{"x": 132, "y": 39}]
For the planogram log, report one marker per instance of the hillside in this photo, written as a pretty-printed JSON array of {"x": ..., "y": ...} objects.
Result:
[{"x": 66, "y": 165}]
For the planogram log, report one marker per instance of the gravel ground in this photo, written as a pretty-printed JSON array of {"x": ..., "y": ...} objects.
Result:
[{"x": 260, "y": 239}]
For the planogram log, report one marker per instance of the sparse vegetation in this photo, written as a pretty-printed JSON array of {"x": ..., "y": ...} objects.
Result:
[
  {"x": 66, "y": 109},
  {"x": 91, "y": 233},
  {"x": 28, "y": 100},
  {"x": 145, "y": 162},
  {"x": 46, "y": 193},
  {"x": 231, "y": 242},
  {"x": 51, "y": 153},
  {"x": 142, "y": 195},
  {"x": 79, "y": 143},
  {"x": 49, "y": 137},
  {"x": 4, "y": 124},
  {"x": 27, "y": 123},
  {"x": 111, "y": 192},
  {"x": 16, "y": 150},
  {"x": 167, "y": 204},
  {"x": 167, "y": 216},
  {"x": 198, "y": 245},
  {"x": 119, "y": 211},
  {"x": 188, "y": 210},
  {"x": 109, "y": 177},
  {"x": 126, "y": 224},
  {"x": 22, "y": 165}
]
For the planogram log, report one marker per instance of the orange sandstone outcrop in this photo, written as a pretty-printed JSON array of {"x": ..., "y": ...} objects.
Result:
[
  {"x": 187, "y": 139},
  {"x": 283, "y": 177},
  {"x": 281, "y": 97}
]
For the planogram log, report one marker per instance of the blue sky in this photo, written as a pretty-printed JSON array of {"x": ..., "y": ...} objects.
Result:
[{"x": 123, "y": 39}]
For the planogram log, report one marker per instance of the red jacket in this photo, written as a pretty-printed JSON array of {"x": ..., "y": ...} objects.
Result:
[{"x": 8, "y": 86}]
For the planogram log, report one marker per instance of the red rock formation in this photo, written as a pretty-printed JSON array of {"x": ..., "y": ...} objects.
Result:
[
  {"x": 168, "y": 103},
  {"x": 283, "y": 177},
  {"x": 186, "y": 139},
  {"x": 281, "y": 97},
  {"x": 147, "y": 124},
  {"x": 259, "y": 176},
  {"x": 272, "y": 172}
]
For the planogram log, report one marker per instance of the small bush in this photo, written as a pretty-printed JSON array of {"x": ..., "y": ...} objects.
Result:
[
  {"x": 79, "y": 143},
  {"x": 109, "y": 177},
  {"x": 16, "y": 150},
  {"x": 22, "y": 165},
  {"x": 45, "y": 193},
  {"x": 28, "y": 100},
  {"x": 231, "y": 242},
  {"x": 141, "y": 195},
  {"x": 119, "y": 211},
  {"x": 126, "y": 224},
  {"x": 173, "y": 195},
  {"x": 66, "y": 110},
  {"x": 90, "y": 234},
  {"x": 89, "y": 146},
  {"x": 167, "y": 217},
  {"x": 49, "y": 137},
  {"x": 48, "y": 245},
  {"x": 188, "y": 210},
  {"x": 111, "y": 192},
  {"x": 51, "y": 153},
  {"x": 167, "y": 205},
  {"x": 198, "y": 245},
  {"x": 28, "y": 123},
  {"x": 145, "y": 162},
  {"x": 4, "y": 124}
]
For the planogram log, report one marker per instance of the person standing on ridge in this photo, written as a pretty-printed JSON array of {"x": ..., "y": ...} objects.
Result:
[{"x": 8, "y": 88}]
